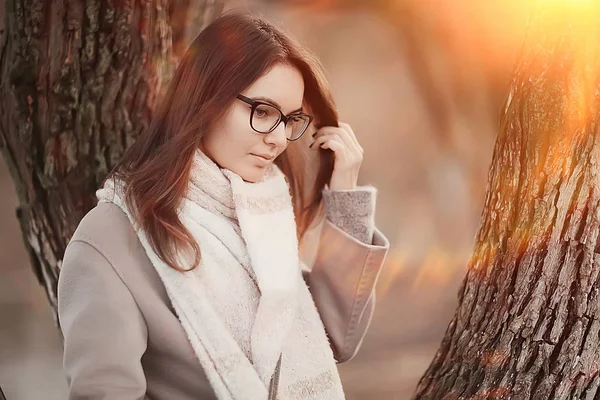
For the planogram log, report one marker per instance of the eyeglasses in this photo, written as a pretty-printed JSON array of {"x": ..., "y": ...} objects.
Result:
[{"x": 265, "y": 118}]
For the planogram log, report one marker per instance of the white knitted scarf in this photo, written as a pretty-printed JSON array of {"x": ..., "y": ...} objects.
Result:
[{"x": 246, "y": 310}]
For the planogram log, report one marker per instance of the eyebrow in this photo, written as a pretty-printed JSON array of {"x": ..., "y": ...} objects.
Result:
[{"x": 269, "y": 100}]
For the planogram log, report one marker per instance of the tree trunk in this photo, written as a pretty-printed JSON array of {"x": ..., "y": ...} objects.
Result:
[
  {"x": 527, "y": 325},
  {"x": 78, "y": 83}
]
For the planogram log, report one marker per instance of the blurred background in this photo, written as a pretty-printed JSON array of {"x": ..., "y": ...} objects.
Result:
[{"x": 421, "y": 83}]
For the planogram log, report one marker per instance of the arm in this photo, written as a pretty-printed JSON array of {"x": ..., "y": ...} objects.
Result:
[
  {"x": 350, "y": 255},
  {"x": 104, "y": 332}
]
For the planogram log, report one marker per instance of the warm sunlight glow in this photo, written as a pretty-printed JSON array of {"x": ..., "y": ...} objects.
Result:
[{"x": 571, "y": 3}]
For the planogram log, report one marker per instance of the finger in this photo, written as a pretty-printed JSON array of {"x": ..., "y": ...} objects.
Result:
[
  {"x": 351, "y": 134},
  {"x": 343, "y": 156},
  {"x": 347, "y": 156},
  {"x": 336, "y": 146},
  {"x": 322, "y": 138},
  {"x": 344, "y": 135}
]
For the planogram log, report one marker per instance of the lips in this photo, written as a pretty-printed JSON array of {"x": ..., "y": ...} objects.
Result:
[{"x": 265, "y": 156}]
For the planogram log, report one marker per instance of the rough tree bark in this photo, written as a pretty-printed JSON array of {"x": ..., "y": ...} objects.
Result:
[
  {"x": 528, "y": 321},
  {"x": 78, "y": 82}
]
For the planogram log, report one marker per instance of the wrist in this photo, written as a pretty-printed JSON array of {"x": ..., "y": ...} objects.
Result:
[{"x": 343, "y": 181}]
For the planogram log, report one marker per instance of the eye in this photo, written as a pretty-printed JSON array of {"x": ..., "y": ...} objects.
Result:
[{"x": 261, "y": 112}]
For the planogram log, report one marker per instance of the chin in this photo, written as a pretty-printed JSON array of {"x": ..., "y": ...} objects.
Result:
[
  {"x": 253, "y": 178},
  {"x": 252, "y": 173}
]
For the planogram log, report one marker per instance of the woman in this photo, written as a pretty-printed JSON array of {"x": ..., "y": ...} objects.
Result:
[{"x": 184, "y": 282}]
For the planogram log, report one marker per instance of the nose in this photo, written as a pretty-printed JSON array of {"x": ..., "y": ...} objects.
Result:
[{"x": 278, "y": 136}]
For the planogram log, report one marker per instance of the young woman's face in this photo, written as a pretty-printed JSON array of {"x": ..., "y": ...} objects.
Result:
[{"x": 233, "y": 144}]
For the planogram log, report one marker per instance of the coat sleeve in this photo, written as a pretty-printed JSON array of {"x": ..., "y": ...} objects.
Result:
[
  {"x": 104, "y": 331},
  {"x": 350, "y": 254},
  {"x": 353, "y": 211}
]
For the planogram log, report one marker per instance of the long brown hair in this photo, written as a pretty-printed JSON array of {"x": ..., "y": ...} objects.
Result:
[{"x": 225, "y": 58}]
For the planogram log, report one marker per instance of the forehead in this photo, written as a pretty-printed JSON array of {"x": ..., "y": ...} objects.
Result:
[{"x": 283, "y": 84}]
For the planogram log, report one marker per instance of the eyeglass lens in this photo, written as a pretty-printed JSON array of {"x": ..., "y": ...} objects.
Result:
[{"x": 266, "y": 117}]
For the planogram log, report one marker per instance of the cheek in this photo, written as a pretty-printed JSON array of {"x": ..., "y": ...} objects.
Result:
[
  {"x": 284, "y": 148},
  {"x": 239, "y": 133}
]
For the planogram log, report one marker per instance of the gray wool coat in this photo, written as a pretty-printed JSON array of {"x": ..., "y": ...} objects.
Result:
[{"x": 122, "y": 338}]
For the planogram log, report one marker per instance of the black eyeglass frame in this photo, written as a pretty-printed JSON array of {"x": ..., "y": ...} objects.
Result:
[{"x": 282, "y": 117}]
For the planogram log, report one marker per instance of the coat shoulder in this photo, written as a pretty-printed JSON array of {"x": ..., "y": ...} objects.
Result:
[{"x": 107, "y": 228}]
